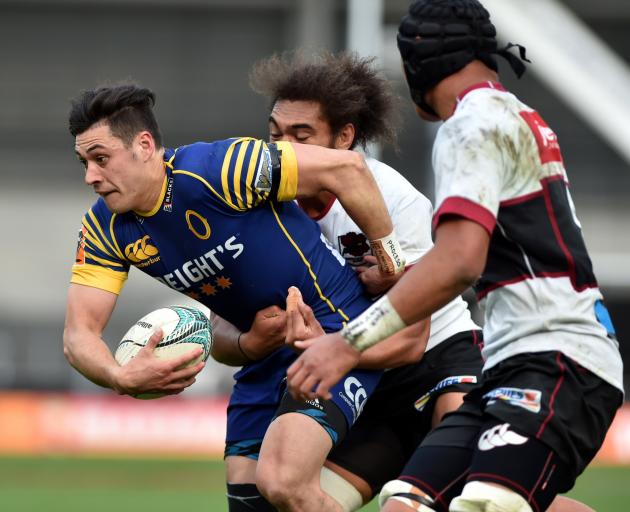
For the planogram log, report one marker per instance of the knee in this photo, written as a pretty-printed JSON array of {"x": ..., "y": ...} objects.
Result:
[
  {"x": 487, "y": 497},
  {"x": 278, "y": 485}
]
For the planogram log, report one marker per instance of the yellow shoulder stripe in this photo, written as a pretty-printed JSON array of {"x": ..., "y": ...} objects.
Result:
[
  {"x": 237, "y": 174},
  {"x": 95, "y": 242},
  {"x": 225, "y": 170},
  {"x": 196, "y": 176},
  {"x": 113, "y": 234},
  {"x": 105, "y": 262},
  {"x": 103, "y": 237},
  {"x": 251, "y": 169}
]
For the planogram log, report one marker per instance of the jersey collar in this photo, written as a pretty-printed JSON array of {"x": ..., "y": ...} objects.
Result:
[{"x": 482, "y": 85}]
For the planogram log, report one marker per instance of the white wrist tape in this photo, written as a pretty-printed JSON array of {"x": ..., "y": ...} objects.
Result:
[
  {"x": 389, "y": 254},
  {"x": 376, "y": 323}
]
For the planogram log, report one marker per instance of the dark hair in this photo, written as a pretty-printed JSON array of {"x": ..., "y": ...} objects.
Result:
[
  {"x": 347, "y": 87},
  {"x": 126, "y": 108}
]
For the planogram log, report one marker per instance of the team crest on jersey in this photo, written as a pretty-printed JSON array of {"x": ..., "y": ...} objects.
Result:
[
  {"x": 142, "y": 253},
  {"x": 353, "y": 247},
  {"x": 80, "y": 257},
  {"x": 528, "y": 399},
  {"x": 263, "y": 179},
  {"x": 198, "y": 224},
  {"x": 422, "y": 402}
]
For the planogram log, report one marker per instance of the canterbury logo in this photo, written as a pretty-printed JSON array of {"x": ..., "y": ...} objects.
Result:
[
  {"x": 498, "y": 436},
  {"x": 140, "y": 250}
]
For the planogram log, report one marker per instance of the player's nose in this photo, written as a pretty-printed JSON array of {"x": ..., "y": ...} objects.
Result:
[{"x": 92, "y": 174}]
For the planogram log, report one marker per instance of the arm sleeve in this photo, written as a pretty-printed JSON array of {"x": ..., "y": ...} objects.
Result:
[
  {"x": 99, "y": 262},
  {"x": 253, "y": 172},
  {"x": 469, "y": 166}
]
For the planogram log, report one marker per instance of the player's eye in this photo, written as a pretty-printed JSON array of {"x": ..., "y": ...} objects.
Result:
[
  {"x": 101, "y": 160},
  {"x": 275, "y": 136}
]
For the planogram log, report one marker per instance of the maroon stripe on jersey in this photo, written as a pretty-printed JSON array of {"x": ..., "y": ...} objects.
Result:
[
  {"x": 481, "y": 85},
  {"x": 552, "y": 399},
  {"x": 556, "y": 231},
  {"x": 462, "y": 207},
  {"x": 537, "y": 236}
]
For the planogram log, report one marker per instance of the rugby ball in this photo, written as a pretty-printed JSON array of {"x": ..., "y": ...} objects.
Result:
[{"x": 183, "y": 328}]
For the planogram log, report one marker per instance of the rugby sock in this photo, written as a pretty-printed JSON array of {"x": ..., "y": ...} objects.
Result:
[{"x": 246, "y": 498}]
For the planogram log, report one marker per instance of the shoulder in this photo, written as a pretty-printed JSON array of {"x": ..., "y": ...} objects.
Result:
[
  {"x": 481, "y": 115},
  {"x": 393, "y": 185}
]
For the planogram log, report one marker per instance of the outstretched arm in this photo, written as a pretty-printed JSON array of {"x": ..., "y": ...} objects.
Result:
[
  {"x": 452, "y": 265},
  {"x": 88, "y": 311},
  {"x": 346, "y": 175},
  {"x": 404, "y": 347}
]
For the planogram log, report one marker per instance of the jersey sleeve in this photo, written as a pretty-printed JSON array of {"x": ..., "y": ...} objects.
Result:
[
  {"x": 411, "y": 212},
  {"x": 253, "y": 172},
  {"x": 99, "y": 262},
  {"x": 469, "y": 167},
  {"x": 412, "y": 224}
]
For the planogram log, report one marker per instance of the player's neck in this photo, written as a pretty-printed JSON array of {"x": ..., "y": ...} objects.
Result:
[
  {"x": 315, "y": 206},
  {"x": 154, "y": 183},
  {"x": 443, "y": 97}
]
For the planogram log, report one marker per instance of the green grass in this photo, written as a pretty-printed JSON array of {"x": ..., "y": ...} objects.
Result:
[{"x": 105, "y": 485}]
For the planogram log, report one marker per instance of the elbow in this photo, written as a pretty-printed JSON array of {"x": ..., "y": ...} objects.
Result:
[{"x": 67, "y": 347}]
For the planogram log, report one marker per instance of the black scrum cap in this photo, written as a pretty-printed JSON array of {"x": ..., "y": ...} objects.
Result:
[{"x": 440, "y": 37}]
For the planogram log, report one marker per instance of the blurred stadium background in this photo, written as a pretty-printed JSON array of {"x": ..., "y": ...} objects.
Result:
[{"x": 58, "y": 432}]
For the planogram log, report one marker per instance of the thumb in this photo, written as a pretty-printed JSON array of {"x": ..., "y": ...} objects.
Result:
[
  {"x": 293, "y": 298},
  {"x": 154, "y": 340},
  {"x": 304, "y": 344}
]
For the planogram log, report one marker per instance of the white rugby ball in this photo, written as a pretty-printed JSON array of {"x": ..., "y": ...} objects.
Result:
[{"x": 184, "y": 328}]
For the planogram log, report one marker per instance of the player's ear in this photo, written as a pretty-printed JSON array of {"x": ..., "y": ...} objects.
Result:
[
  {"x": 345, "y": 137},
  {"x": 145, "y": 143}
]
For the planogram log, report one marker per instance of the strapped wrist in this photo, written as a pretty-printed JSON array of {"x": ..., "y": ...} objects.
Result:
[
  {"x": 389, "y": 254},
  {"x": 375, "y": 324}
]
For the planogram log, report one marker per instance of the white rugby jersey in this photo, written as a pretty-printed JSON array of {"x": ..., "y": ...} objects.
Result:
[
  {"x": 411, "y": 215},
  {"x": 497, "y": 163}
]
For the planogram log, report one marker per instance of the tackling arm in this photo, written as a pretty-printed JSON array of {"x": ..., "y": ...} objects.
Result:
[
  {"x": 345, "y": 174},
  {"x": 452, "y": 265}
]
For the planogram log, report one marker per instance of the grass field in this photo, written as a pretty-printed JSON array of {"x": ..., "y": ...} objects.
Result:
[{"x": 105, "y": 485}]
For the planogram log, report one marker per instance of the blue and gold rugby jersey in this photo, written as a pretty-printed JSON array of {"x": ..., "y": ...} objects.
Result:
[{"x": 220, "y": 235}]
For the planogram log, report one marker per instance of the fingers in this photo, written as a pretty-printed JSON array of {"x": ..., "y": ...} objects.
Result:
[
  {"x": 371, "y": 260},
  {"x": 184, "y": 359},
  {"x": 293, "y": 298}
]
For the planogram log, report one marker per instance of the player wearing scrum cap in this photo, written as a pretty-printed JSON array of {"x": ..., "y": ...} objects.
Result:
[{"x": 504, "y": 222}]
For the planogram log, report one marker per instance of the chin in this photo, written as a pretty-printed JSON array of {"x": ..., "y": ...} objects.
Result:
[
  {"x": 425, "y": 116},
  {"x": 116, "y": 206}
]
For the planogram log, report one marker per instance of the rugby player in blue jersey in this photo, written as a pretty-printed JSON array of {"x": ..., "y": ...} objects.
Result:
[{"x": 215, "y": 221}]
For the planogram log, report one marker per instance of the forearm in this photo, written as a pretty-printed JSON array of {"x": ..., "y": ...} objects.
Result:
[
  {"x": 91, "y": 357},
  {"x": 225, "y": 344},
  {"x": 405, "y": 347}
]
